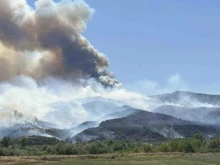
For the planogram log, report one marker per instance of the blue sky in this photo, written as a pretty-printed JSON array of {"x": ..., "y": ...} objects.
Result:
[{"x": 157, "y": 40}]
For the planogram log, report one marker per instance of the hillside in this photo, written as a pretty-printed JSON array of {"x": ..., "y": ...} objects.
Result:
[
  {"x": 206, "y": 115},
  {"x": 32, "y": 129},
  {"x": 145, "y": 126},
  {"x": 189, "y": 98},
  {"x": 178, "y": 114}
]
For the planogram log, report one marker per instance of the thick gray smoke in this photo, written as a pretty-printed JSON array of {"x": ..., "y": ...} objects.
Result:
[
  {"x": 47, "y": 41},
  {"x": 47, "y": 66}
]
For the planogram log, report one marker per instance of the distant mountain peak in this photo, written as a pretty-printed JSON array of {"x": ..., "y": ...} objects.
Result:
[{"x": 178, "y": 92}]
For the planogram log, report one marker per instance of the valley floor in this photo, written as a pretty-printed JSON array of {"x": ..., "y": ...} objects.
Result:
[{"x": 118, "y": 159}]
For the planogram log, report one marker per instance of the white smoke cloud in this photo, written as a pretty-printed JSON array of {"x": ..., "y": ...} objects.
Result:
[
  {"x": 59, "y": 101},
  {"x": 47, "y": 67},
  {"x": 33, "y": 100},
  {"x": 148, "y": 87}
]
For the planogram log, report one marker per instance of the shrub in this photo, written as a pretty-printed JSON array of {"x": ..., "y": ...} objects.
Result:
[
  {"x": 1, "y": 152},
  {"x": 45, "y": 147},
  {"x": 5, "y": 142},
  {"x": 98, "y": 148},
  {"x": 23, "y": 142},
  {"x": 188, "y": 148},
  {"x": 49, "y": 150},
  {"x": 148, "y": 148},
  {"x": 163, "y": 148},
  {"x": 213, "y": 144},
  {"x": 68, "y": 150},
  {"x": 174, "y": 146},
  {"x": 198, "y": 137}
]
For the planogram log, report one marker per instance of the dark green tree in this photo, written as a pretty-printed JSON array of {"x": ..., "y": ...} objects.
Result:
[
  {"x": 148, "y": 148},
  {"x": 213, "y": 144},
  {"x": 5, "y": 142},
  {"x": 188, "y": 148},
  {"x": 23, "y": 142},
  {"x": 198, "y": 137}
]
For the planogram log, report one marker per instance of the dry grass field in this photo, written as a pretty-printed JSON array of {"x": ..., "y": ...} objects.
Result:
[{"x": 117, "y": 159}]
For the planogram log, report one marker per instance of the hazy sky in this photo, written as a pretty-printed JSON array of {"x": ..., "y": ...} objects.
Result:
[{"x": 155, "y": 41}]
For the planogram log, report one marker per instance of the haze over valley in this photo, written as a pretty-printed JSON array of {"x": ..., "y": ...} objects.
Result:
[{"x": 55, "y": 83}]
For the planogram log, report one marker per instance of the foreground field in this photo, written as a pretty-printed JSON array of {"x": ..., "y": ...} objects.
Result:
[{"x": 119, "y": 159}]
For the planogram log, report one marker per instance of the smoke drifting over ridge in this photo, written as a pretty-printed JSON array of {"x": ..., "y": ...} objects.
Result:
[
  {"x": 52, "y": 77},
  {"x": 47, "y": 41},
  {"x": 47, "y": 66}
]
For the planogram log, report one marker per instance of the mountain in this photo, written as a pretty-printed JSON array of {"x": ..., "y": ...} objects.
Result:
[
  {"x": 91, "y": 124},
  {"x": 145, "y": 126},
  {"x": 124, "y": 111},
  {"x": 174, "y": 115},
  {"x": 207, "y": 115},
  {"x": 189, "y": 99},
  {"x": 68, "y": 114},
  {"x": 101, "y": 107},
  {"x": 21, "y": 125},
  {"x": 64, "y": 118},
  {"x": 204, "y": 108},
  {"x": 81, "y": 127},
  {"x": 64, "y": 114},
  {"x": 30, "y": 129}
]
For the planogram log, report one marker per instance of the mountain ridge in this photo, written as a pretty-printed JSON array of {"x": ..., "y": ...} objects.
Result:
[
  {"x": 176, "y": 115},
  {"x": 144, "y": 126}
]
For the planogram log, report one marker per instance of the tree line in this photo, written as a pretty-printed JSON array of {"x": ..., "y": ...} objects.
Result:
[{"x": 23, "y": 146}]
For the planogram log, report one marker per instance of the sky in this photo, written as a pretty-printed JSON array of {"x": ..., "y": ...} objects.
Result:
[{"x": 159, "y": 45}]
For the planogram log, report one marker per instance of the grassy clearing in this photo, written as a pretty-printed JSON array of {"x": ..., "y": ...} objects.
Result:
[{"x": 118, "y": 159}]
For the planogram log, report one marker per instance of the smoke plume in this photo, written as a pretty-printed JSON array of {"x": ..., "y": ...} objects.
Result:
[
  {"x": 58, "y": 101},
  {"x": 47, "y": 41}
]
